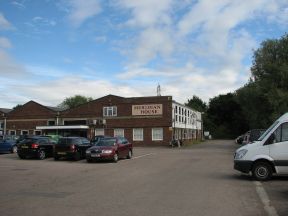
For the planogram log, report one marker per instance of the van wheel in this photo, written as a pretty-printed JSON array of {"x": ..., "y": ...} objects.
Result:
[
  {"x": 41, "y": 155},
  {"x": 262, "y": 171}
]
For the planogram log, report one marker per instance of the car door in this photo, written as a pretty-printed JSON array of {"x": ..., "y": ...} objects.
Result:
[
  {"x": 124, "y": 146},
  {"x": 120, "y": 147},
  {"x": 5, "y": 146},
  {"x": 279, "y": 148}
]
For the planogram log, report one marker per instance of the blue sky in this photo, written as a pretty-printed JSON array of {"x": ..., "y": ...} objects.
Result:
[{"x": 50, "y": 50}]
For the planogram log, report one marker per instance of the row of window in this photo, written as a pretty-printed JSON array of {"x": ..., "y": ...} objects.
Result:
[
  {"x": 24, "y": 132},
  {"x": 138, "y": 133}
]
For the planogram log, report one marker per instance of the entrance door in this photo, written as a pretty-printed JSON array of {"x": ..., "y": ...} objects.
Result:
[{"x": 279, "y": 148}]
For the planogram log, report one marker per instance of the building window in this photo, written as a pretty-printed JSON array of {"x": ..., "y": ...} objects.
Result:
[
  {"x": 138, "y": 134},
  {"x": 37, "y": 132},
  {"x": 24, "y": 132},
  {"x": 99, "y": 132},
  {"x": 175, "y": 109},
  {"x": 157, "y": 134},
  {"x": 119, "y": 132},
  {"x": 12, "y": 132},
  {"x": 51, "y": 123},
  {"x": 110, "y": 111}
]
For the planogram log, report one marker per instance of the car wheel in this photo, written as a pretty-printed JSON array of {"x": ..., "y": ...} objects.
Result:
[
  {"x": 129, "y": 156},
  {"x": 21, "y": 156},
  {"x": 41, "y": 155},
  {"x": 14, "y": 149},
  {"x": 262, "y": 171},
  {"x": 77, "y": 156},
  {"x": 56, "y": 158},
  {"x": 115, "y": 158}
]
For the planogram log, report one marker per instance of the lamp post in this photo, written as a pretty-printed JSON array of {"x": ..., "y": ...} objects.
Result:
[
  {"x": 5, "y": 122},
  {"x": 202, "y": 129}
]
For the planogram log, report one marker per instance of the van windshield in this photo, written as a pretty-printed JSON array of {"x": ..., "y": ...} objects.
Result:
[{"x": 267, "y": 131}]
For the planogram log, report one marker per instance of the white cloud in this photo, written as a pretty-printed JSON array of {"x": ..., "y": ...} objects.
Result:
[
  {"x": 10, "y": 68},
  {"x": 148, "y": 13},
  {"x": 5, "y": 43},
  {"x": 80, "y": 10},
  {"x": 4, "y": 24}
]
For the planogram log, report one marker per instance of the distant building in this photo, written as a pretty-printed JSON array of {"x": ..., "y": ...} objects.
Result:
[{"x": 143, "y": 120}]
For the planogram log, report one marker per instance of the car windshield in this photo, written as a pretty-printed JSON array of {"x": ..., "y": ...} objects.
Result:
[
  {"x": 29, "y": 141},
  {"x": 67, "y": 141},
  {"x": 106, "y": 142},
  {"x": 268, "y": 131}
]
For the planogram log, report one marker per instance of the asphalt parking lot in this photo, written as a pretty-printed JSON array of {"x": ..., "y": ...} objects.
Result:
[{"x": 198, "y": 180}]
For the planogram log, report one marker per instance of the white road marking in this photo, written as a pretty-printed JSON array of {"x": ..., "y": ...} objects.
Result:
[
  {"x": 271, "y": 211},
  {"x": 137, "y": 157}
]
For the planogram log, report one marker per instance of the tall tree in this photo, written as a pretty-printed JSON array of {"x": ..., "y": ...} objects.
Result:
[
  {"x": 197, "y": 104},
  {"x": 226, "y": 117},
  {"x": 270, "y": 74},
  {"x": 74, "y": 101}
]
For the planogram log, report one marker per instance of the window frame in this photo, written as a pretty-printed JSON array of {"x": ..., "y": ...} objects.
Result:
[
  {"x": 122, "y": 134},
  {"x": 141, "y": 137},
  {"x": 154, "y": 137},
  {"x": 109, "y": 111}
]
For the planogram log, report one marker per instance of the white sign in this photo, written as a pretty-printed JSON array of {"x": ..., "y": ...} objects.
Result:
[{"x": 147, "y": 109}]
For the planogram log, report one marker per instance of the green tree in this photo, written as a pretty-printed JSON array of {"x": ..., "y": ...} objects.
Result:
[
  {"x": 197, "y": 104},
  {"x": 270, "y": 75},
  {"x": 17, "y": 106},
  {"x": 74, "y": 101},
  {"x": 225, "y": 117}
]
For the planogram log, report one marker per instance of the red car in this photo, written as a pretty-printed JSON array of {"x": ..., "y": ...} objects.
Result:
[{"x": 111, "y": 148}]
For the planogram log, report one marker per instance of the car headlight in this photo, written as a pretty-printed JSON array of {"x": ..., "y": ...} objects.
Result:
[
  {"x": 88, "y": 151},
  {"x": 240, "y": 154},
  {"x": 107, "y": 151}
]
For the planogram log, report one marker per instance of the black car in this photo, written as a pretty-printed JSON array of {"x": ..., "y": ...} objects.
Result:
[
  {"x": 71, "y": 147},
  {"x": 35, "y": 147}
]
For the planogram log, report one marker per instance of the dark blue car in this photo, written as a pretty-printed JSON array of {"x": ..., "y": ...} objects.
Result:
[{"x": 8, "y": 145}]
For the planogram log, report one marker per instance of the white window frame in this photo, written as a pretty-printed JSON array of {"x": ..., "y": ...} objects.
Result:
[
  {"x": 119, "y": 132},
  {"x": 157, "y": 134},
  {"x": 138, "y": 134},
  {"x": 12, "y": 131},
  {"x": 110, "y": 111},
  {"x": 99, "y": 131}
]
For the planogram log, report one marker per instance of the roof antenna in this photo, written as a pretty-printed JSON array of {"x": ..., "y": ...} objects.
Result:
[{"x": 158, "y": 90}]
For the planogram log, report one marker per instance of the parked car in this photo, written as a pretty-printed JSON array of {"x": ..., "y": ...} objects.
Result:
[
  {"x": 111, "y": 148},
  {"x": 35, "y": 147},
  {"x": 239, "y": 139},
  {"x": 97, "y": 138},
  {"x": 267, "y": 155},
  {"x": 7, "y": 145},
  {"x": 71, "y": 147},
  {"x": 252, "y": 135}
]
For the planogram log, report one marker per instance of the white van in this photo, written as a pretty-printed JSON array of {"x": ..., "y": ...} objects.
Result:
[{"x": 267, "y": 155}]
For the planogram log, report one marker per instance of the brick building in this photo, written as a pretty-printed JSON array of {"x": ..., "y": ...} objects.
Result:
[{"x": 143, "y": 120}]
